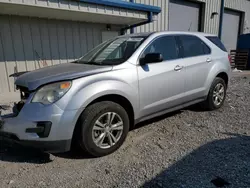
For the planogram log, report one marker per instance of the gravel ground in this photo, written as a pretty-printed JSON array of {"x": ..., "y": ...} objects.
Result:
[{"x": 188, "y": 148}]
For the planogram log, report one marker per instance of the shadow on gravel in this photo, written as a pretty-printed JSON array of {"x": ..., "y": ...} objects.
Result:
[
  {"x": 74, "y": 155},
  {"x": 221, "y": 163},
  {"x": 78, "y": 154},
  {"x": 19, "y": 154},
  {"x": 156, "y": 119},
  {"x": 196, "y": 108}
]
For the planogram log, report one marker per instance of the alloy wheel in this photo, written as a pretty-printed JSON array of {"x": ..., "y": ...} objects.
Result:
[
  {"x": 107, "y": 130},
  {"x": 218, "y": 94}
]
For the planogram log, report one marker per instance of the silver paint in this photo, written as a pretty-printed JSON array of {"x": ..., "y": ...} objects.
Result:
[{"x": 152, "y": 90}]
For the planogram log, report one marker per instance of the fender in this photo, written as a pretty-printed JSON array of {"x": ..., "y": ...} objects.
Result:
[
  {"x": 214, "y": 71},
  {"x": 85, "y": 95}
]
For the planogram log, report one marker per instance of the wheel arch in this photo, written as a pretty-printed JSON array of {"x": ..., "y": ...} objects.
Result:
[
  {"x": 224, "y": 76},
  {"x": 117, "y": 98},
  {"x": 121, "y": 100},
  {"x": 217, "y": 71}
]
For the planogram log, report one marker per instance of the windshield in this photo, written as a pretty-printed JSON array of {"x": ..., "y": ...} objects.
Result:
[{"x": 112, "y": 52}]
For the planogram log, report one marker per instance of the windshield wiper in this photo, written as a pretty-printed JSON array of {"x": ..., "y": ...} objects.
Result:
[
  {"x": 103, "y": 63},
  {"x": 89, "y": 62}
]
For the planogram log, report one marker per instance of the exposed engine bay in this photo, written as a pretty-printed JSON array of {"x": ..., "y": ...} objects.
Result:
[{"x": 24, "y": 95}]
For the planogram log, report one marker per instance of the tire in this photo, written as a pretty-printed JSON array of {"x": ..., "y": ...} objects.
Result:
[
  {"x": 210, "y": 103},
  {"x": 101, "y": 111}
]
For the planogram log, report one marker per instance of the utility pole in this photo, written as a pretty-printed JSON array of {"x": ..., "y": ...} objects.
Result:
[{"x": 221, "y": 17}]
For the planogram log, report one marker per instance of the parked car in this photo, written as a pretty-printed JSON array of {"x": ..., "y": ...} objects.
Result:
[{"x": 96, "y": 99}]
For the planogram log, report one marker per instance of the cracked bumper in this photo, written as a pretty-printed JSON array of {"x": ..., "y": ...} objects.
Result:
[
  {"x": 58, "y": 139},
  {"x": 46, "y": 146}
]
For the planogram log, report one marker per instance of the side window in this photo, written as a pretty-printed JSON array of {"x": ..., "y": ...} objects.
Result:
[
  {"x": 165, "y": 45},
  {"x": 193, "y": 46},
  {"x": 206, "y": 49},
  {"x": 217, "y": 42}
]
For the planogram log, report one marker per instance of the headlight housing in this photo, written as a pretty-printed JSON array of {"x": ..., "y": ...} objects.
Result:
[{"x": 51, "y": 93}]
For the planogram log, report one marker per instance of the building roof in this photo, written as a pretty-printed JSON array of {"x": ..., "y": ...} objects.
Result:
[
  {"x": 125, "y": 4},
  {"x": 116, "y": 12}
]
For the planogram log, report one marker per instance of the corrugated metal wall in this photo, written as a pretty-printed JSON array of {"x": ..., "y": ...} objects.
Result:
[
  {"x": 24, "y": 41},
  {"x": 211, "y": 25},
  {"x": 74, "y": 5},
  {"x": 161, "y": 22}
]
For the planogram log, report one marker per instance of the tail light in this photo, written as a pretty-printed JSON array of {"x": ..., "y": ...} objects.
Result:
[{"x": 229, "y": 58}]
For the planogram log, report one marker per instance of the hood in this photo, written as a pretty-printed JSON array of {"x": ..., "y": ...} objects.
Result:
[{"x": 68, "y": 71}]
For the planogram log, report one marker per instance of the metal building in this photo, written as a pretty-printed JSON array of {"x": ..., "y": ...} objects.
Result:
[
  {"x": 202, "y": 15},
  {"x": 36, "y": 33}
]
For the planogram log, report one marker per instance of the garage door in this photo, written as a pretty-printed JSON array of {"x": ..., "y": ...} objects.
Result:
[
  {"x": 230, "y": 29},
  {"x": 183, "y": 16},
  {"x": 31, "y": 43}
]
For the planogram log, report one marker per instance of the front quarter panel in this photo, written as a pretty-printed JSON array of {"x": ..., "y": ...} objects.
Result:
[{"x": 121, "y": 81}]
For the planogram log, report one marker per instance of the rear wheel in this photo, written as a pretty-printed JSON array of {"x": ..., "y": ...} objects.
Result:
[
  {"x": 216, "y": 95},
  {"x": 104, "y": 127}
]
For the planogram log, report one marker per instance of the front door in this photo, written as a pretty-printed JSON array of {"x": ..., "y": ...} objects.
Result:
[{"x": 161, "y": 85}]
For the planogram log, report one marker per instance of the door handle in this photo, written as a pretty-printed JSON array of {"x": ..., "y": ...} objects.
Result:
[
  {"x": 208, "y": 60},
  {"x": 178, "y": 67}
]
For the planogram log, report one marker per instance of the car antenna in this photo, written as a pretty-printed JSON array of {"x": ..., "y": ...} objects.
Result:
[{"x": 190, "y": 26}]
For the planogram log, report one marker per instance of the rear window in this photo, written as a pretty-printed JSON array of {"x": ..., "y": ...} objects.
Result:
[
  {"x": 217, "y": 42},
  {"x": 193, "y": 46}
]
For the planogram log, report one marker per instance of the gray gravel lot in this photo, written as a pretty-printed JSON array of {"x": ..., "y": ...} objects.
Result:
[{"x": 188, "y": 148}]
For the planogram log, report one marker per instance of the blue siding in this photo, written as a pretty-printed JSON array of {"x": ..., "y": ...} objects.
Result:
[
  {"x": 126, "y": 5},
  {"x": 244, "y": 41}
]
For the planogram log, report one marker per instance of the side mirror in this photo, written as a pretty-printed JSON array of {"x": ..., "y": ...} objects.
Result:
[{"x": 151, "y": 58}]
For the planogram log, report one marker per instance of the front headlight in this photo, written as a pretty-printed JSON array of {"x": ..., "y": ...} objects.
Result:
[{"x": 51, "y": 93}]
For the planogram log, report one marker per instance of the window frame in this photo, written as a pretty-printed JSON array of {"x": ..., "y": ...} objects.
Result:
[
  {"x": 157, "y": 37},
  {"x": 182, "y": 47}
]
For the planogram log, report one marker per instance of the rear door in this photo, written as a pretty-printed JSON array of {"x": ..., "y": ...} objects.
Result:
[{"x": 197, "y": 61}]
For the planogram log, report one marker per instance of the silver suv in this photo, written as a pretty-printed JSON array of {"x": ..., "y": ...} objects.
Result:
[{"x": 95, "y": 100}]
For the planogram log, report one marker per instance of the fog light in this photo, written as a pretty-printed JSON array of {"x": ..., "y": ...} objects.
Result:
[{"x": 42, "y": 129}]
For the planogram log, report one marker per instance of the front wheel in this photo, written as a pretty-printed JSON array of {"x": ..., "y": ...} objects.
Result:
[
  {"x": 104, "y": 127},
  {"x": 216, "y": 95}
]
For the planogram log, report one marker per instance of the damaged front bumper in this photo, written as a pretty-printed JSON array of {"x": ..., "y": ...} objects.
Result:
[
  {"x": 47, "y": 128},
  {"x": 46, "y": 146},
  {"x": 31, "y": 134}
]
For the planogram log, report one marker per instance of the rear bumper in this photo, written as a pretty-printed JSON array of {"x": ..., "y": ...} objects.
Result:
[{"x": 46, "y": 146}]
